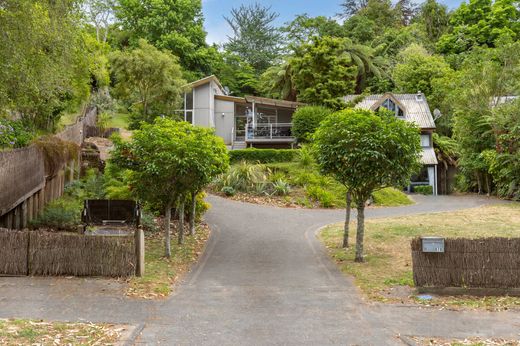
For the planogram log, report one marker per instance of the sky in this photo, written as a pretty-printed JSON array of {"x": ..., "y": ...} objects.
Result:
[{"x": 218, "y": 29}]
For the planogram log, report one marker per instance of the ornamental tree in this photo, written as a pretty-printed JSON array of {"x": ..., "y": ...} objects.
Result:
[
  {"x": 170, "y": 160},
  {"x": 366, "y": 152},
  {"x": 306, "y": 120}
]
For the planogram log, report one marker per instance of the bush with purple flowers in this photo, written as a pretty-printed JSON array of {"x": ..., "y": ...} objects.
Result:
[{"x": 13, "y": 134}]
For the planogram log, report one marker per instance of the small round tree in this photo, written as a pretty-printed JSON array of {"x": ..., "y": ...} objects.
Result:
[
  {"x": 306, "y": 120},
  {"x": 169, "y": 160},
  {"x": 366, "y": 152}
]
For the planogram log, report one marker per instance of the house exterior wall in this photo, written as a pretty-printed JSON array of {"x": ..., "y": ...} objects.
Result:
[
  {"x": 224, "y": 116},
  {"x": 201, "y": 106}
]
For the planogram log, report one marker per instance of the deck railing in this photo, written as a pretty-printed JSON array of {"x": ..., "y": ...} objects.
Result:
[{"x": 269, "y": 131}]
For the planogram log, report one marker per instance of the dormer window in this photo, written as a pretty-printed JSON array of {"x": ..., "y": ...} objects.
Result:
[{"x": 391, "y": 106}]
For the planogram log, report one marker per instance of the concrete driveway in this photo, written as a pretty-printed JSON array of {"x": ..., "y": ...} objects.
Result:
[{"x": 265, "y": 279}]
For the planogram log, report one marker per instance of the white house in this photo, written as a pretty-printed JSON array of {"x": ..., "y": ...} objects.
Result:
[{"x": 252, "y": 121}]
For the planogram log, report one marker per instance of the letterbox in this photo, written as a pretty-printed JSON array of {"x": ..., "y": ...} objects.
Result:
[{"x": 432, "y": 244}]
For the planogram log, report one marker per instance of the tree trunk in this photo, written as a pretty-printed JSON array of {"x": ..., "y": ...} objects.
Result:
[
  {"x": 347, "y": 219},
  {"x": 479, "y": 183},
  {"x": 167, "y": 220},
  {"x": 360, "y": 231},
  {"x": 181, "y": 220},
  {"x": 488, "y": 185},
  {"x": 193, "y": 212}
]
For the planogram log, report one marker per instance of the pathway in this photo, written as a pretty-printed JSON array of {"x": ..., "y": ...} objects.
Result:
[{"x": 263, "y": 279}]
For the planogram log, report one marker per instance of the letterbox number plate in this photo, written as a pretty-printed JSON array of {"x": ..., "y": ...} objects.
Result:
[{"x": 432, "y": 244}]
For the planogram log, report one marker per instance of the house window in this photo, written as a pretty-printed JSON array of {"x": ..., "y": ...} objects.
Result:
[
  {"x": 188, "y": 106},
  {"x": 425, "y": 140},
  {"x": 391, "y": 106}
]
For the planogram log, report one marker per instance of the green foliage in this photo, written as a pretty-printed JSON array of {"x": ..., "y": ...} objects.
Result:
[
  {"x": 263, "y": 155},
  {"x": 366, "y": 152},
  {"x": 306, "y": 120},
  {"x": 390, "y": 197},
  {"x": 480, "y": 23},
  {"x": 173, "y": 25},
  {"x": 306, "y": 156},
  {"x": 13, "y": 134},
  {"x": 148, "y": 79},
  {"x": 117, "y": 182},
  {"x": 277, "y": 82},
  {"x": 281, "y": 188},
  {"x": 45, "y": 69},
  {"x": 423, "y": 189},
  {"x": 324, "y": 197},
  {"x": 322, "y": 73},
  {"x": 236, "y": 74},
  {"x": 63, "y": 214},
  {"x": 244, "y": 177},
  {"x": 228, "y": 191},
  {"x": 417, "y": 70},
  {"x": 254, "y": 39},
  {"x": 169, "y": 159}
]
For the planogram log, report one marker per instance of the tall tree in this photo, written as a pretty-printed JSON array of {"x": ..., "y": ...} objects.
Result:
[
  {"x": 351, "y": 7},
  {"x": 150, "y": 80},
  {"x": 366, "y": 152},
  {"x": 277, "y": 82},
  {"x": 173, "y": 25},
  {"x": 254, "y": 39},
  {"x": 43, "y": 67},
  {"x": 100, "y": 13},
  {"x": 434, "y": 17},
  {"x": 480, "y": 23}
]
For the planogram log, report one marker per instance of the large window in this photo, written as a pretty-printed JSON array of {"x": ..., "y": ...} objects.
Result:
[
  {"x": 391, "y": 106},
  {"x": 425, "y": 141},
  {"x": 188, "y": 106}
]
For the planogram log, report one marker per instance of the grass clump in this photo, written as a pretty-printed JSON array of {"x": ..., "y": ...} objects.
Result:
[{"x": 388, "y": 253}]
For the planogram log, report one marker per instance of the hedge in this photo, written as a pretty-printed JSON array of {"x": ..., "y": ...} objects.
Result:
[
  {"x": 263, "y": 155},
  {"x": 423, "y": 189}
]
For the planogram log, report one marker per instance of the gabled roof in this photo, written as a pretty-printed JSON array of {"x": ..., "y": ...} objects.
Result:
[
  {"x": 205, "y": 80},
  {"x": 428, "y": 157},
  {"x": 415, "y": 106}
]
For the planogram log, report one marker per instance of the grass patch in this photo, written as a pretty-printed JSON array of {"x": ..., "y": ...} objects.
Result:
[
  {"x": 162, "y": 273},
  {"x": 27, "y": 332},
  {"x": 388, "y": 255}
]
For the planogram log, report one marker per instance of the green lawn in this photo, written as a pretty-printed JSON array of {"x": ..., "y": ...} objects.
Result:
[
  {"x": 119, "y": 120},
  {"x": 27, "y": 332},
  {"x": 388, "y": 255}
]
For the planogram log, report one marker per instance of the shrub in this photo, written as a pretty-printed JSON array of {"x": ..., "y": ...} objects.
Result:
[
  {"x": 148, "y": 222},
  {"x": 306, "y": 120},
  {"x": 228, "y": 191},
  {"x": 323, "y": 197},
  {"x": 61, "y": 215},
  {"x": 13, "y": 134},
  {"x": 390, "y": 197},
  {"x": 244, "y": 177},
  {"x": 306, "y": 157},
  {"x": 56, "y": 152},
  {"x": 423, "y": 189},
  {"x": 263, "y": 155},
  {"x": 281, "y": 188}
]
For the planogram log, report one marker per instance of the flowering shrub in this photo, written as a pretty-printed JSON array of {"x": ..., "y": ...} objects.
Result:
[{"x": 13, "y": 134}]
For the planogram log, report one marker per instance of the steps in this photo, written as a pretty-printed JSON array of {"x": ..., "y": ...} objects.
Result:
[{"x": 239, "y": 145}]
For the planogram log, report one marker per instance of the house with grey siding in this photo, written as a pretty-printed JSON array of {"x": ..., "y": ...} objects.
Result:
[{"x": 253, "y": 121}]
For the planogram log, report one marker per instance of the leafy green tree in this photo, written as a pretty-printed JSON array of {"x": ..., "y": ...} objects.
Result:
[
  {"x": 236, "y": 74},
  {"x": 306, "y": 120},
  {"x": 323, "y": 73},
  {"x": 173, "y": 25},
  {"x": 277, "y": 82},
  {"x": 304, "y": 29},
  {"x": 479, "y": 23},
  {"x": 417, "y": 70},
  {"x": 149, "y": 79},
  {"x": 170, "y": 160},
  {"x": 100, "y": 13},
  {"x": 434, "y": 17},
  {"x": 43, "y": 69},
  {"x": 254, "y": 39},
  {"x": 366, "y": 152}
]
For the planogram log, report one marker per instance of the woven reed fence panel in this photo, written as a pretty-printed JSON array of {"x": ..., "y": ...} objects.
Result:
[
  {"x": 21, "y": 171},
  {"x": 79, "y": 255},
  {"x": 95, "y": 131},
  {"x": 13, "y": 252},
  {"x": 76, "y": 132},
  {"x": 472, "y": 263}
]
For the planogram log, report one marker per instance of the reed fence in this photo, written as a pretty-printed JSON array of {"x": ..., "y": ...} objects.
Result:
[{"x": 469, "y": 263}]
